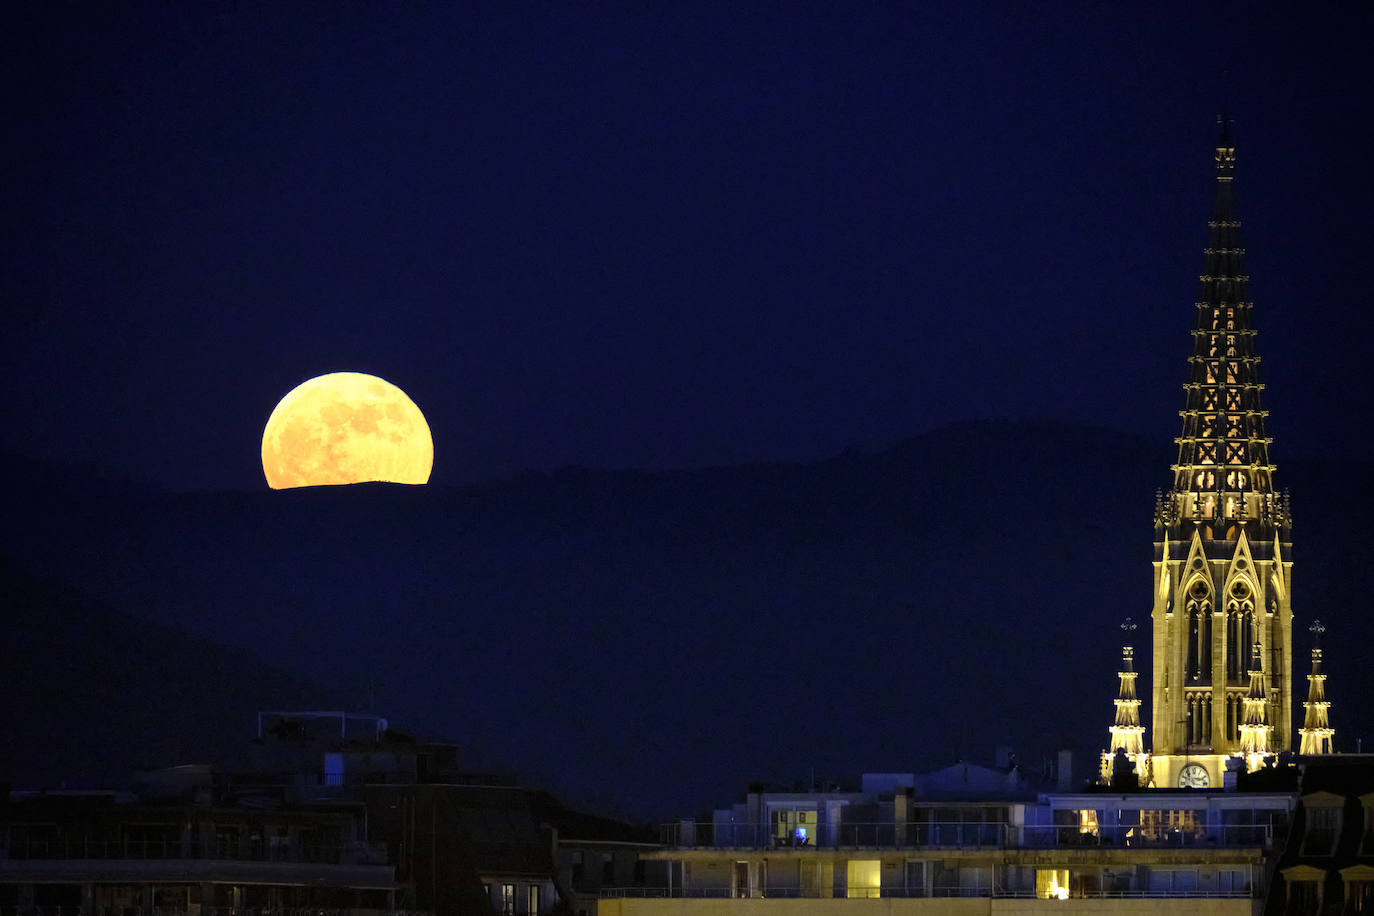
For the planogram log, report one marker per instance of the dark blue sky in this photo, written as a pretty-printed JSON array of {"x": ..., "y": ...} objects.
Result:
[{"x": 628, "y": 235}]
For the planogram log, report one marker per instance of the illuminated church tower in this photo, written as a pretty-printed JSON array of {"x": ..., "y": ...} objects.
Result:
[{"x": 1222, "y": 557}]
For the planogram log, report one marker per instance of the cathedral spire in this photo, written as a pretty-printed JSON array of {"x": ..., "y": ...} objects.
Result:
[
  {"x": 1223, "y": 476},
  {"x": 1316, "y": 729},
  {"x": 1254, "y": 729},
  {"x": 1222, "y": 534}
]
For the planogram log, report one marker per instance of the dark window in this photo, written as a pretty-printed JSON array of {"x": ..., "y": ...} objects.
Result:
[{"x": 1302, "y": 898}]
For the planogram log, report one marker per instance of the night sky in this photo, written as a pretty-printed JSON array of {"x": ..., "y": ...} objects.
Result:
[
  {"x": 669, "y": 235},
  {"x": 619, "y": 235}
]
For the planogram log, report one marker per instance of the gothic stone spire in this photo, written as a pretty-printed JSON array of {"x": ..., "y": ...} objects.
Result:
[
  {"x": 1126, "y": 731},
  {"x": 1254, "y": 730},
  {"x": 1224, "y": 476},
  {"x": 1316, "y": 728},
  {"x": 1223, "y": 533}
]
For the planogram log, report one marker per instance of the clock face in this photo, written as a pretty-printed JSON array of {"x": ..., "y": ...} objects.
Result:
[{"x": 1192, "y": 776}]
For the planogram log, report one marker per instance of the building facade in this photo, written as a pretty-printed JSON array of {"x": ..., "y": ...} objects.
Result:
[
  {"x": 1327, "y": 865},
  {"x": 908, "y": 844},
  {"x": 183, "y": 845}
]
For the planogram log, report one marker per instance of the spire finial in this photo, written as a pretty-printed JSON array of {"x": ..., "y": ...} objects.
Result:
[
  {"x": 1127, "y": 626},
  {"x": 1317, "y": 629},
  {"x": 1226, "y": 151}
]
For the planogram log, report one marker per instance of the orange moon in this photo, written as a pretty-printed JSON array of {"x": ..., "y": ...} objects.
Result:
[{"x": 346, "y": 427}]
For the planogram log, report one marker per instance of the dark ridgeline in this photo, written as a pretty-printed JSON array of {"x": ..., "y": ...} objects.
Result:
[
  {"x": 93, "y": 692},
  {"x": 643, "y": 641}
]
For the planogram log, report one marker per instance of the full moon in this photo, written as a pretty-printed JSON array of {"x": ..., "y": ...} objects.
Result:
[{"x": 346, "y": 427}]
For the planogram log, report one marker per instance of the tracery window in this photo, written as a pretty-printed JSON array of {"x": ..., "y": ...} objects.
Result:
[
  {"x": 1199, "y": 718},
  {"x": 1199, "y": 633},
  {"x": 1240, "y": 632}
]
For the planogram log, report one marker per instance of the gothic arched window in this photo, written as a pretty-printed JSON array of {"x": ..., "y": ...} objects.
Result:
[
  {"x": 1240, "y": 633},
  {"x": 1199, "y": 633}
]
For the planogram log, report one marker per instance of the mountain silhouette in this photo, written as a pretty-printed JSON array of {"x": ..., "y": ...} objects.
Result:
[
  {"x": 94, "y": 693},
  {"x": 652, "y": 642}
]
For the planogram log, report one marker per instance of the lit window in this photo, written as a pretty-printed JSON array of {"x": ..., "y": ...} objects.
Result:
[
  {"x": 1052, "y": 883},
  {"x": 1170, "y": 825},
  {"x": 793, "y": 828},
  {"x": 865, "y": 877}
]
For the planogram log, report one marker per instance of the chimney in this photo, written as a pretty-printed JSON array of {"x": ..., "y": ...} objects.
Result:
[
  {"x": 901, "y": 813},
  {"x": 1065, "y": 771},
  {"x": 1231, "y": 778},
  {"x": 754, "y": 813}
]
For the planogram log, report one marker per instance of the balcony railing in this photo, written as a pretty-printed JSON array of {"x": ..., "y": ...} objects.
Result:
[
  {"x": 965, "y": 835},
  {"x": 720, "y": 893},
  {"x": 205, "y": 911},
  {"x": 84, "y": 848}
]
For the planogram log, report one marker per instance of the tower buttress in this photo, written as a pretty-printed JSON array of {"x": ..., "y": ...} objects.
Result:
[
  {"x": 1255, "y": 729},
  {"x": 1316, "y": 728},
  {"x": 1126, "y": 731}
]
